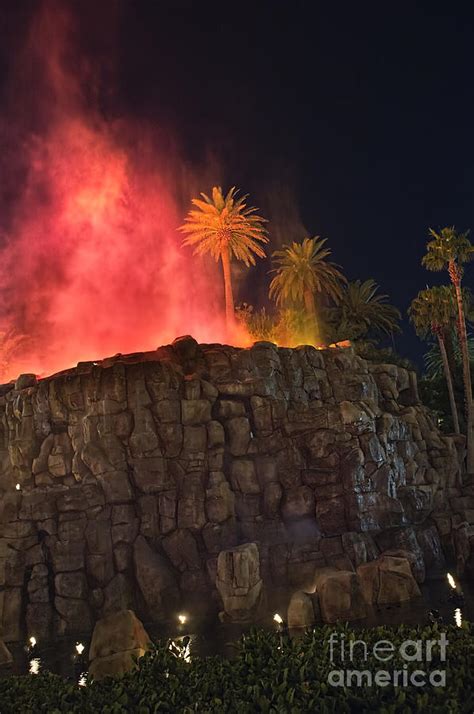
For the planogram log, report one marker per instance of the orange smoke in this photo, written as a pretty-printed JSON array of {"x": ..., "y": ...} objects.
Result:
[{"x": 91, "y": 263}]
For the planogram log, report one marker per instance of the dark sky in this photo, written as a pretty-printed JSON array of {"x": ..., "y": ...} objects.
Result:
[{"x": 351, "y": 119}]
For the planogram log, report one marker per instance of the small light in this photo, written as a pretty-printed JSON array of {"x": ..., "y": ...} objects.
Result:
[
  {"x": 458, "y": 617},
  {"x": 79, "y": 648},
  {"x": 18, "y": 487},
  {"x": 83, "y": 679},
  {"x": 451, "y": 580},
  {"x": 32, "y": 641},
  {"x": 278, "y": 618},
  {"x": 182, "y": 619},
  {"x": 35, "y": 665}
]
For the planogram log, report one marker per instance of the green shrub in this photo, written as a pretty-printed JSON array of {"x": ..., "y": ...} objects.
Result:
[{"x": 268, "y": 674}]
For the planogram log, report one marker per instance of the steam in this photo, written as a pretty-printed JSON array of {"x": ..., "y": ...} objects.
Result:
[{"x": 91, "y": 263}]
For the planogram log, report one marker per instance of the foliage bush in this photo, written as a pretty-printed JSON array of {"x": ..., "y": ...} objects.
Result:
[{"x": 268, "y": 674}]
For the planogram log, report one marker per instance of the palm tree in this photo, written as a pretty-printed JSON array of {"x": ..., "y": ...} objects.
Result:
[
  {"x": 226, "y": 228},
  {"x": 434, "y": 311},
  {"x": 433, "y": 360},
  {"x": 302, "y": 271},
  {"x": 360, "y": 310},
  {"x": 450, "y": 249}
]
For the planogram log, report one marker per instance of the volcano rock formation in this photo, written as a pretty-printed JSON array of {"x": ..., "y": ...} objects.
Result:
[{"x": 135, "y": 472}]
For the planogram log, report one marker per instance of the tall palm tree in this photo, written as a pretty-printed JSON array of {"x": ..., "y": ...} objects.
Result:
[
  {"x": 449, "y": 250},
  {"x": 303, "y": 271},
  {"x": 225, "y": 227},
  {"x": 433, "y": 311},
  {"x": 360, "y": 310}
]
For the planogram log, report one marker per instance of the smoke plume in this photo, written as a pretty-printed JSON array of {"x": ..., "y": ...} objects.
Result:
[{"x": 91, "y": 263}]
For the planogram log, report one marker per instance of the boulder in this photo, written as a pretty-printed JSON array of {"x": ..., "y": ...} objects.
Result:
[
  {"x": 24, "y": 381},
  {"x": 340, "y": 595},
  {"x": 404, "y": 539},
  {"x": 303, "y": 610},
  {"x": 417, "y": 567},
  {"x": 387, "y": 580},
  {"x": 117, "y": 639},
  {"x": 239, "y": 583}
]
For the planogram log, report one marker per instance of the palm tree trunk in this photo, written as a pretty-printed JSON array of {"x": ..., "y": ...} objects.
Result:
[
  {"x": 310, "y": 306},
  {"x": 448, "y": 343},
  {"x": 455, "y": 275},
  {"x": 449, "y": 382},
  {"x": 229, "y": 297}
]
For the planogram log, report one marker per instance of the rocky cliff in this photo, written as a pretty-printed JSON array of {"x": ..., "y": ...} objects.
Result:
[{"x": 122, "y": 480}]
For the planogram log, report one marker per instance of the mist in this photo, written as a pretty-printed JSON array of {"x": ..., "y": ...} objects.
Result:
[{"x": 91, "y": 262}]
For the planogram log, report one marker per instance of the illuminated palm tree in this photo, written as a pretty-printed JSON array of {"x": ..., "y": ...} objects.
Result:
[
  {"x": 450, "y": 250},
  {"x": 226, "y": 228},
  {"x": 302, "y": 272},
  {"x": 360, "y": 310},
  {"x": 433, "y": 311}
]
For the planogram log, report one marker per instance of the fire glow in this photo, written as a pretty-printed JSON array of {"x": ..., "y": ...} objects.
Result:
[{"x": 91, "y": 261}]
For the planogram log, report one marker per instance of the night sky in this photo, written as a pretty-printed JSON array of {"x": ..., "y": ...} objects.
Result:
[{"x": 342, "y": 120}]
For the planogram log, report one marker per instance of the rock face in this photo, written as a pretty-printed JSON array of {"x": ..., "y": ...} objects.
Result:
[
  {"x": 340, "y": 595},
  {"x": 141, "y": 469},
  {"x": 5, "y": 654},
  {"x": 116, "y": 640},
  {"x": 303, "y": 610},
  {"x": 239, "y": 583},
  {"x": 387, "y": 580}
]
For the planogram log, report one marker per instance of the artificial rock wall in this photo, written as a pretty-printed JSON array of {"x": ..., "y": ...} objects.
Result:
[{"x": 137, "y": 471}]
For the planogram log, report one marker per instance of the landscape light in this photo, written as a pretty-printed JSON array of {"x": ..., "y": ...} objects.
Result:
[
  {"x": 32, "y": 641},
  {"x": 18, "y": 487},
  {"x": 82, "y": 679},
  {"x": 182, "y": 619},
  {"x": 455, "y": 586},
  {"x": 35, "y": 665},
  {"x": 79, "y": 648},
  {"x": 277, "y": 618},
  {"x": 458, "y": 617}
]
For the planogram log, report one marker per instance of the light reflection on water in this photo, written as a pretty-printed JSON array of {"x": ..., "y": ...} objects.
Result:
[{"x": 210, "y": 637}]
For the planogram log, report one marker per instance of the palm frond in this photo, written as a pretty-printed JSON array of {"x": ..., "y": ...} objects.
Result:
[
  {"x": 447, "y": 245},
  {"x": 434, "y": 363},
  {"x": 433, "y": 309},
  {"x": 221, "y": 223},
  {"x": 361, "y": 310},
  {"x": 302, "y": 267}
]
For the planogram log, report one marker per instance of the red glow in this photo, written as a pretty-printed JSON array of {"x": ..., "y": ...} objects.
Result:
[{"x": 92, "y": 264}]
